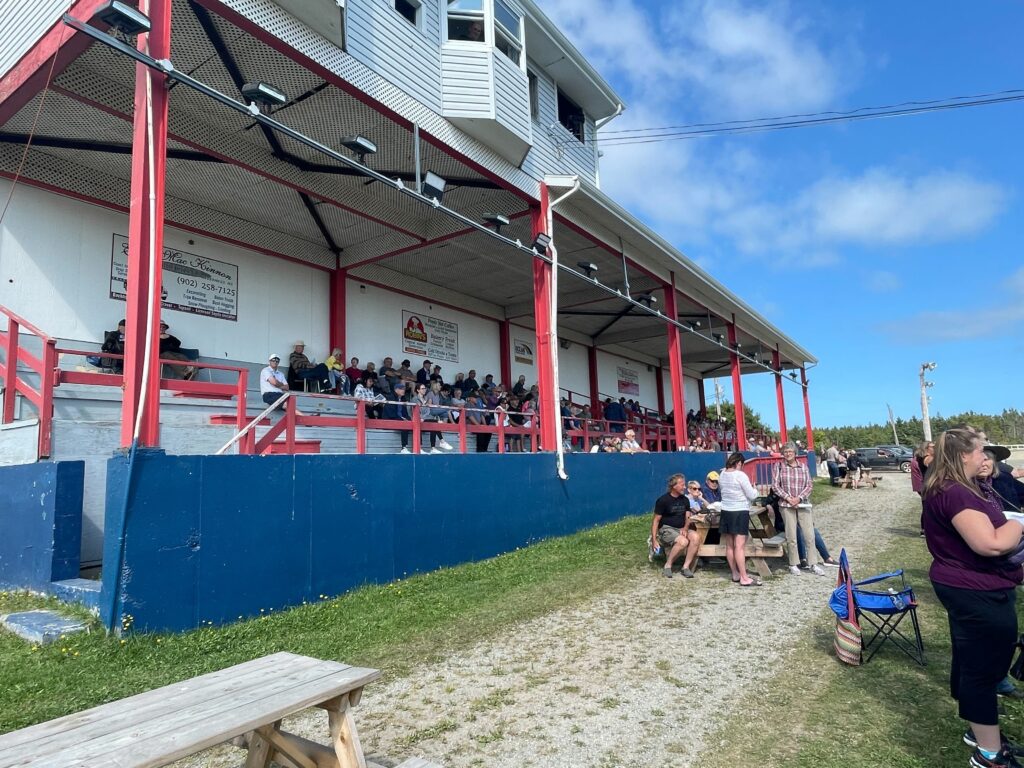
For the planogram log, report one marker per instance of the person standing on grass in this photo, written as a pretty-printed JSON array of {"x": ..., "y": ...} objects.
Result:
[
  {"x": 967, "y": 535},
  {"x": 792, "y": 483},
  {"x": 737, "y": 494}
]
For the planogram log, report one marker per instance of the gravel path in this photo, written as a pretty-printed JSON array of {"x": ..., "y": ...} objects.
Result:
[{"x": 634, "y": 677}]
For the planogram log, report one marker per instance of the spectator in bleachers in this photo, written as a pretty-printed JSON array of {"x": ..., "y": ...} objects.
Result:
[
  {"x": 272, "y": 381},
  {"x": 387, "y": 377},
  {"x": 354, "y": 372},
  {"x": 615, "y": 415},
  {"x": 405, "y": 372},
  {"x": 519, "y": 388},
  {"x": 368, "y": 390},
  {"x": 630, "y": 445},
  {"x": 423, "y": 374},
  {"x": 515, "y": 419},
  {"x": 460, "y": 382},
  {"x": 423, "y": 400},
  {"x": 470, "y": 383},
  {"x": 396, "y": 410},
  {"x": 336, "y": 373},
  {"x": 435, "y": 375},
  {"x": 113, "y": 342},
  {"x": 458, "y": 402},
  {"x": 475, "y": 417},
  {"x": 370, "y": 370},
  {"x": 302, "y": 368},
  {"x": 170, "y": 349},
  {"x": 488, "y": 382}
]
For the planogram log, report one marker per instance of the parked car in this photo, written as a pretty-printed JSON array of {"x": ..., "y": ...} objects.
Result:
[
  {"x": 884, "y": 458},
  {"x": 899, "y": 450}
]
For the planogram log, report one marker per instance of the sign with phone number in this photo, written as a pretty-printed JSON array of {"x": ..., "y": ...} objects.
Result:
[{"x": 191, "y": 283}]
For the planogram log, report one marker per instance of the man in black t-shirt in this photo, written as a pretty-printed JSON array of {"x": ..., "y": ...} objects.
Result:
[{"x": 670, "y": 526}]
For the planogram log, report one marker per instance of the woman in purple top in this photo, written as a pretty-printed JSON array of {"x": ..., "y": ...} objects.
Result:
[{"x": 967, "y": 534}]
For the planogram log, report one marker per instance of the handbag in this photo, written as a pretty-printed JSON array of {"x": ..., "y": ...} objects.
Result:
[{"x": 849, "y": 639}]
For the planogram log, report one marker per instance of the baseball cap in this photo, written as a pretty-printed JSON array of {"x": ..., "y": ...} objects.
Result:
[
  {"x": 712, "y": 475},
  {"x": 274, "y": 356}
]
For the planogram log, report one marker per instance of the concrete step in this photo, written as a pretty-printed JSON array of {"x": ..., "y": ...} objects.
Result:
[
  {"x": 82, "y": 591},
  {"x": 41, "y": 627}
]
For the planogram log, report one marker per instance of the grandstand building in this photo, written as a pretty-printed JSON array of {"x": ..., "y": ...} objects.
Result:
[{"x": 393, "y": 178}]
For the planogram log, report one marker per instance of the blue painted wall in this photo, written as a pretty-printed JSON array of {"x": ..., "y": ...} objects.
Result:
[
  {"x": 212, "y": 538},
  {"x": 40, "y": 523}
]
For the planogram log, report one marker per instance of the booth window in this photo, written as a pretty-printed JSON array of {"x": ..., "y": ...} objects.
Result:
[
  {"x": 508, "y": 32},
  {"x": 410, "y": 10},
  {"x": 571, "y": 116},
  {"x": 466, "y": 20}
]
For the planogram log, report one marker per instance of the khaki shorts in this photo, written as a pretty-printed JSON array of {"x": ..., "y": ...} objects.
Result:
[{"x": 668, "y": 535}]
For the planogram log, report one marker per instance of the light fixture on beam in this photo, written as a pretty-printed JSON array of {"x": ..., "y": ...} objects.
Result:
[
  {"x": 264, "y": 95},
  {"x": 497, "y": 220},
  {"x": 433, "y": 187},
  {"x": 123, "y": 17},
  {"x": 588, "y": 267},
  {"x": 694, "y": 324},
  {"x": 541, "y": 243},
  {"x": 717, "y": 337},
  {"x": 648, "y": 299},
  {"x": 792, "y": 375},
  {"x": 360, "y": 145}
]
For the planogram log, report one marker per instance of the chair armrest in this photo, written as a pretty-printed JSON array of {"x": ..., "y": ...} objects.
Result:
[{"x": 881, "y": 577}]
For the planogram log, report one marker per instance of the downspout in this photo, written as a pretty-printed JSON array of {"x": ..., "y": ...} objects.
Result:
[
  {"x": 598, "y": 125},
  {"x": 553, "y": 253}
]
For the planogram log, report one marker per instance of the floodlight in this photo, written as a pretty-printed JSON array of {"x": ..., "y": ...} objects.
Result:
[
  {"x": 648, "y": 299},
  {"x": 792, "y": 375},
  {"x": 587, "y": 266},
  {"x": 433, "y": 187},
  {"x": 541, "y": 243},
  {"x": 361, "y": 145},
  {"x": 717, "y": 337},
  {"x": 264, "y": 94},
  {"x": 123, "y": 17},
  {"x": 498, "y": 220}
]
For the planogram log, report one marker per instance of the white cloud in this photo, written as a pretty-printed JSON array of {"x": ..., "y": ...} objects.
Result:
[
  {"x": 877, "y": 208},
  {"x": 1004, "y": 312},
  {"x": 883, "y": 282}
]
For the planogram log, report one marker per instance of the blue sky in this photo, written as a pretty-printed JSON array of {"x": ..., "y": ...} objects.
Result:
[{"x": 877, "y": 245}]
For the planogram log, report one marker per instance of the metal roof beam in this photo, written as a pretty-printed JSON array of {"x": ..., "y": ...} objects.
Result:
[
  {"x": 59, "y": 142},
  {"x": 320, "y": 224}
]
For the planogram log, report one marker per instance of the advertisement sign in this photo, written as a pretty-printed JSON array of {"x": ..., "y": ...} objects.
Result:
[
  {"x": 522, "y": 351},
  {"x": 430, "y": 337},
  {"x": 191, "y": 283},
  {"x": 628, "y": 381}
]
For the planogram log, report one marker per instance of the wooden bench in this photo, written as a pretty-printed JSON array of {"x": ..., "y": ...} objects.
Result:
[
  {"x": 243, "y": 704},
  {"x": 763, "y": 542},
  {"x": 866, "y": 478}
]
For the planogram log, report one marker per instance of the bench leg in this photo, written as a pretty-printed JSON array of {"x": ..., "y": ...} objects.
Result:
[
  {"x": 761, "y": 565},
  {"x": 344, "y": 737},
  {"x": 259, "y": 751}
]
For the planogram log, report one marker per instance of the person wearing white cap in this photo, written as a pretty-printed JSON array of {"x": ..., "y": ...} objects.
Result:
[{"x": 272, "y": 381}]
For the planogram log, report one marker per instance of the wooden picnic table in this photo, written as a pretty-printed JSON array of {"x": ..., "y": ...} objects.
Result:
[
  {"x": 763, "y": 542},
  {"x": 243, "y": 704}
]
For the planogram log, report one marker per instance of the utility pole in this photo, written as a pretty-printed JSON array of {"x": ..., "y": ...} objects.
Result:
[
  {"x": 925, "y": 367},
  {"x": 718, "y": 399},
  {"x": 892, "y": 423}
]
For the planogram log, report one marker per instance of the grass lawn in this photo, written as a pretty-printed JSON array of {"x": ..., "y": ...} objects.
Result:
[
  {"x": 890, "y": 712},
  {"x": 389, "y": 627}
]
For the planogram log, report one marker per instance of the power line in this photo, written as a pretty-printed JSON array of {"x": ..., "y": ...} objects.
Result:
[{"x": 760, "y": 125}]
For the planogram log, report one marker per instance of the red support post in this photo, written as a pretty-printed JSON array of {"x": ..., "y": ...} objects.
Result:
[
  {"x": 144, "y": 238},
  {"x": 11, "y": 363},
  {"x": 702, "y": 396},
  {"x": 360, "y": 427},
  {"x": 337, "y": 311},
  {"x": 592, "y": 369},
  {"x": 737, "y": 389},
  {"x": 548, "y": 406},
  {"x": 462, "y": 430},
  {"x": 659, "y": 385},
  {"x": 807, "y": 409},
  {"x": 675, "y": 366},
  {"x": 779, "y": 397},
  {"x": 505, "y": 352},
  {"x": 47, "y": 380},
  {"x": 289, "y": 429}
]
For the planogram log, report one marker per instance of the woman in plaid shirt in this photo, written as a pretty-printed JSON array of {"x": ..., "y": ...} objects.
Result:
[{"x": 792, "y": 482}]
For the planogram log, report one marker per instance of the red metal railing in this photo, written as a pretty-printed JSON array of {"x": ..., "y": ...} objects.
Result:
[{"x": 44, "y": 366}]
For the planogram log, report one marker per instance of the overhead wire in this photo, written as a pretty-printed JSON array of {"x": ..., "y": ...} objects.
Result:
[{"x": 625, "y": 137}]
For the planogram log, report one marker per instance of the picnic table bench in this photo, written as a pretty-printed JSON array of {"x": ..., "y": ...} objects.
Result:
[
  {"x": 243, "y": 704},
  {"x": 866, "y": 478},
  {"x": 762, "y": 543}
]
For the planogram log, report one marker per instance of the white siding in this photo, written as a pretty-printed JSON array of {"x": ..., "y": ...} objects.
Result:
[
  {"x": 467, "y": 81},
  {"x": 22, "y": 24},
  {"x": 555, "y": 150},
  {"x": 607, "y": 379},
  {"x": 383, "y": 40},
  {"x": 511, "y": 96},
  {"x": 55, "y": 272}
]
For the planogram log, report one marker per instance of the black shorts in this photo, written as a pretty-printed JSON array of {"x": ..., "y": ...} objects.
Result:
[{"x": 735, "y": 523}]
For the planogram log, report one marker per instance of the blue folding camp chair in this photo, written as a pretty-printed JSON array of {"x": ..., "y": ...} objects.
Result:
[{"x": 883, "y": 612}]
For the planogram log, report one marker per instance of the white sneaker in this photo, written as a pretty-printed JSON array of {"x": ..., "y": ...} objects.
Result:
[
  {"x": 795, "y": 570},
  {"x": 818, "y": 570},
  {"x": 444, "y": 444},
  {"x": 434, "y": 450},
  {"x": 405, "y": 450}
]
